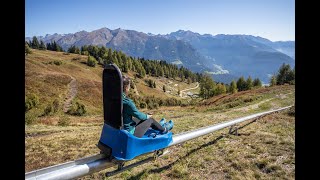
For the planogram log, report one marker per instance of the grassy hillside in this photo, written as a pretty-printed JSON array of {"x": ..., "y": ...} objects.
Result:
[
  {"x": 48, "y": 75},
  {"x": 262, "y": 150},
  {"x": 50, "y": 81}
]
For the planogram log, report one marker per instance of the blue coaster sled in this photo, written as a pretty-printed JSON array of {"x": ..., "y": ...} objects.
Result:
[{"x": 114, "y": 141}]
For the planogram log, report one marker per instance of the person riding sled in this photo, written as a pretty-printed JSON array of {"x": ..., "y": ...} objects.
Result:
[{"x": 139, "y": 126}]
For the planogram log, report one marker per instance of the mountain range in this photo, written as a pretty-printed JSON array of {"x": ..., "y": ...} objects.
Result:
[{"x": 226, "y": 57}]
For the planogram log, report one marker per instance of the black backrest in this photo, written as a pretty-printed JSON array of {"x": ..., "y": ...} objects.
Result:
[{"x": 112, "y": 96}]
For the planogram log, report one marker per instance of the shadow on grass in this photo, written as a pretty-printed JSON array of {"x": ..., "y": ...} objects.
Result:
[{"x": 159, "y": 170}]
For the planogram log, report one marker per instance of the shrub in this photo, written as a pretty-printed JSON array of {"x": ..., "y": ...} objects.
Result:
[
  {"x": 77, "y": 109},
  {"x": 273, "y": 80},
  {"x": 172, "y": 102},
  {"x": 27, "y": 104},
  {"x": 66, "y": 53},
  {"x": 92, "y": 62},
  {"x": 85, "y": 53},
  {"x": 27, "y": 50},
  {"x": 58, "y": 63},
  {"x": 153, "y": 105},
  {"x": 31, "y": 101},
  {"x": 143, "y": 105},
  {"x": 51, "y": 108},
  {"x": 48, "y": 110},
  {"x": 30, "y": 118}
]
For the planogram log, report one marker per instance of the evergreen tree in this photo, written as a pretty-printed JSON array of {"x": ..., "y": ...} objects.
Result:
[
  {"x": 54, "y": 46},
  {"x": 164, "y": 88},
  {"x": 291, "y": 76},
  {"x": 59, "y": 48},
  {"x": 93, "y": 51},
  {"x": 249, "y": 83},
  {"x": 140, "y": 70},
  {"x": 207, "y": 86},
  {"x": 154, "y": 84},
  {"x": 109, "y": 55},
  {"x": 139, "y": 65},
  {"x": 273, "y": 80},
  {"x": 72, "y": 49},
  {"x": 161, "y": 72},
  {"x": 116, "y": 60},
  {"x": 100, "y": 61},
  {"x": 83, "y": 49},
  {"x": 257, "y": 82},
  {"x": 241, "y": 84},
  {"x": 42, "y": 46},
  {"x": 220, "y": 89},
  {"x": 284, "y": 74},
  {"x": 35, "y": 43},
  {"x": 125, "y": 67},
  {"x": 105, "y": 58},
  {"x": 49, "y": 46},
  {"x": 77, "y": 50},
  {"x": 233, "y": 87},
  {"x": 102, "y": 51},
  {"x": 129, "y": 60}
]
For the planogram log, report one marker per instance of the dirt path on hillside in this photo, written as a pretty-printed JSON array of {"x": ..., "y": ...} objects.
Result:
[
  {"x": 256, "y": 105},
  {"x": 72, "y": 93},
  {"x": 188, "y": 90}
]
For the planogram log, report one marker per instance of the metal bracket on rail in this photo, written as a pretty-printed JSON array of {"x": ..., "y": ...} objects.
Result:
[
  {"x": 158, "y": 153},
  {"x": 122, "y": 168},
  {"x": 120, "y": 165},
  {"x": 233, "y": 130}
]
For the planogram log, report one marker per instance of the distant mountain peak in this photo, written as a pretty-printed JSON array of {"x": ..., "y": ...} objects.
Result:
[
  {"x": 236, "y": 54},
  {"x": 180, "y": 31}
]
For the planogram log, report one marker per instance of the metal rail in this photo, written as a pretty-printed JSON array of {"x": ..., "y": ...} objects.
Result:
[
  {"x": 186, "y": 136},
  {"x": 89, "y": 165}
]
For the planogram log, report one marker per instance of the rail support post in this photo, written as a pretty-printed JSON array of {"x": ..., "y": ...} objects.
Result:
[{"x": 233, "y": 130}]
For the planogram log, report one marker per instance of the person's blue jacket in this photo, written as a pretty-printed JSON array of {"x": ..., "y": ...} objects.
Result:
[{"x": 129, "y": 110}]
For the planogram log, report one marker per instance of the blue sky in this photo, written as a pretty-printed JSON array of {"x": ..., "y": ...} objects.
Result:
[{"x": 271, "y": 19}]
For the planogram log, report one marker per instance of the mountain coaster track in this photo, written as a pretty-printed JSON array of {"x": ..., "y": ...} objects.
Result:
[{"x": 91, "y": 164}]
